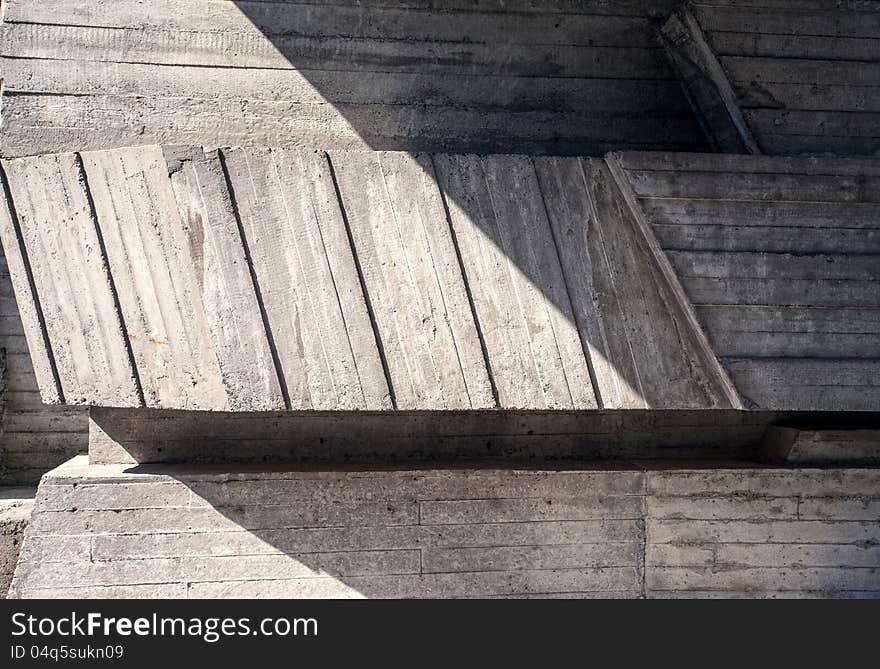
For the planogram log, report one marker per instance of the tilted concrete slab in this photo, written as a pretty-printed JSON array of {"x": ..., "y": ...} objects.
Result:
[
  {"x": 268, "y": 279},
  {"x": 263, "y": 279}
]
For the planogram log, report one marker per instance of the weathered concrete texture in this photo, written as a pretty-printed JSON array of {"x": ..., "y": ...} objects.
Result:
[
  {"x": 508, "y": 250},
  {"x": 296, "y": 239},
  {"x": 55, "y": 222},
  {"x": 158, "y": 284},
  {"x": 271, "y": 279},
  {"x": 413, "y": 280},
  {"x": 821, "y": 447},
  {"x": 781, "y": 259},
  {"x": 706, "y": 84},
  {"x": 33, "y": 437},
  {"x": 16, "y": 505},
  {"x": 570, "y": 76},
  {"x": 766, "y": 533},
  {"x": 100, "y": 531},
  {"x": 798, "y": 77},
  {"x": 128, "y": 436},
  {"x": 215, "y": 250}
]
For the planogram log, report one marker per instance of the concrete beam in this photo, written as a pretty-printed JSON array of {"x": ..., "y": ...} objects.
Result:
[
  {"x": 706, "y": 85},
  {"x": 143, "y": 436}
]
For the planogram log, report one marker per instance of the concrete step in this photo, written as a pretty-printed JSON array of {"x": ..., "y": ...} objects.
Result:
[{"x": 457, "y": 531}]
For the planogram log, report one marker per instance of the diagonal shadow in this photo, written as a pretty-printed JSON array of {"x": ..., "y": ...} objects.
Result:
[
  {"x": 466, "y": 82},
  {"x": 495, "y": 78},
  {"x": 484, "y": 77}
]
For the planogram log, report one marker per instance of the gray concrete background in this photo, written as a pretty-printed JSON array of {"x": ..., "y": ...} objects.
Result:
[
  {"x": 272, "y": 279},
  {"x": 559, "y": 77},
  {"x": 377, "y": 280},
  {"x": 789, "y": 78},
  {"x": 102, "y": 531},
  {"x": 490, "y": 76},
  {"x": 16, "y": 504}
]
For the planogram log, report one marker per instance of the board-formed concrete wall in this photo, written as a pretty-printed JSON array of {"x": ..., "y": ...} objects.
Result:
[
  {"x": 259, "y": 280},
  {"x": 520, "y": 76},
  {"x": 797, "y": 77},
  {"x": 277, "y": 279},
  {"x": 781, "y": 260},
  {"x": 33, "y": 437},
  {"x": 98, "y": 531}
]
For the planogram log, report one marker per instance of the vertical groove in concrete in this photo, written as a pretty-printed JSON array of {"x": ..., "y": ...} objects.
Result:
[
  {"x": 531, "y": 344},
  {"x": 629, "y": 391},
  {"x": 522, "y": 234},
  {"x": 304, "y": 267},
  {"x": 225, "y": 290},
  {"x": 486, "y": 360},
  {"x": 410, "y": 268},
  {"x": 588, "y": 358},
  {"x": 106, "y": 267},
  {"x": 81, "y": 316},
  {"x": 282, "y": 382},
  {"x": 363, "y": 284},
  {"x": 715, "y": 377}
]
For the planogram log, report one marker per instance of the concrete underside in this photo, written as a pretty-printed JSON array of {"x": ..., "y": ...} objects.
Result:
[{"x": 465, "y": 531}]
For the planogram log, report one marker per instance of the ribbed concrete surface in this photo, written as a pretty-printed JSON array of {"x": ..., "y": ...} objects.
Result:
[
  {"x": 798, "y": 77},
  {"x": 99, "y": 531},
  {"x": 781, "y": 259},
  {"x": 259, "y": 280},
  {"x": 449, "y": 75},
  {"x": 34, "y": 437},
  {"x": 255, "y": 280}
]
